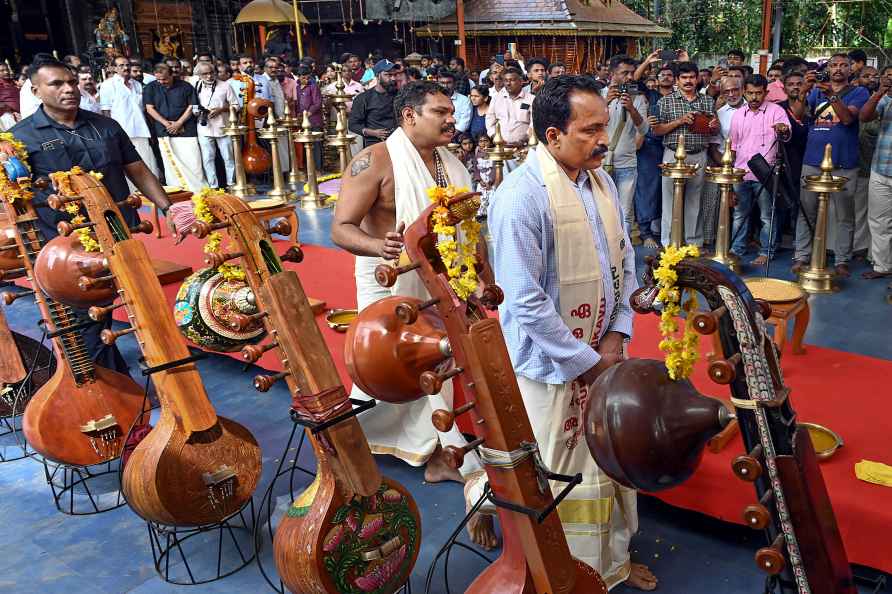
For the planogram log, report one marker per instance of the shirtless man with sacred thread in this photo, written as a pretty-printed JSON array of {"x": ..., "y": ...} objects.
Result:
[{"x": 383, "y": 191}]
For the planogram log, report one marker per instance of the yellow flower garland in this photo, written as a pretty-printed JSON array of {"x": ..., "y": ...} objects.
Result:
[
  {"x": 15, "y": 189},
  {"x": 459, "y": 260},
  {"x": 62, "y": 179},
  {"x": 230, "y": 272},
  {"x": 322, "y": 180},
  {"x": 681, "y": 353}
]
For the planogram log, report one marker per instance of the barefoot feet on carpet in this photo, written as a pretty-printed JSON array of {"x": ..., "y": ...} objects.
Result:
[
  {"x": 651, "y": 244},
  {"x": 436, "y": 470},
  {"x": 842, "y": 270},
  {"x": 482, "y": 531},
  {"x": 873, "y": 274},
  {"x": 760, "y": 261},
  {"x": 641, "y": 578}
]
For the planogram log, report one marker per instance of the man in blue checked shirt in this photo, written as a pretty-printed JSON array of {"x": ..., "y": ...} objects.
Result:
[{"x": 567, "y": 268}]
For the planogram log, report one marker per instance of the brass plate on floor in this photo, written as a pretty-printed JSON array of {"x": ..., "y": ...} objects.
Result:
[
  {"x": 774, "y": 290},
  {"x": 339, "y": 319},
  {"x": 824, "y": 440}
]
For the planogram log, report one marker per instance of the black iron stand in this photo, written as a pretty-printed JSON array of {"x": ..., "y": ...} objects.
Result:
[
  {"x": 267, "y": 513},
  {"x": 16, "y": 396}
]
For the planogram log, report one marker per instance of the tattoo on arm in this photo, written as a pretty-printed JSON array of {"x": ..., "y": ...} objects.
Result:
[{"x": 360, "y": 164}]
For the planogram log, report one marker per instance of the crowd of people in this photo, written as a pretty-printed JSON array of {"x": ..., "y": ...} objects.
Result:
[{"x": 176, "y": 114}]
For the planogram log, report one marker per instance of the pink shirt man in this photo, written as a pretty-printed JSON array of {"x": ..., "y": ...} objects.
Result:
[{"x": 752, "y": 133}]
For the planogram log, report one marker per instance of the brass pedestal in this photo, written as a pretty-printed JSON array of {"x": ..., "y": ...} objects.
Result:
[
  {"x": 313, "y": 199},
  {"x": 499, "y": 154},
  {"x": 817, "y": 278},
  {"x": 725, "y": 177},
  {"x": 241, "y": 188},
  {"x": 296, "y": 177},
  {"x": 680, "y": 172},
  {"x": 272, "y": 133}
]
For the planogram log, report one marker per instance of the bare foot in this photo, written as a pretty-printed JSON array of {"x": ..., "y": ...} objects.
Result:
[
  {"x": 842, "y": 270},
  {"x": 481, "y": 527},
  {"x": 873, "y": 274},
  {"x": 641, "y": 578},
  {"x": 437, "y": 471},
  {"x": 650, "y": 244},
  {"x": 760, "y": 261}
]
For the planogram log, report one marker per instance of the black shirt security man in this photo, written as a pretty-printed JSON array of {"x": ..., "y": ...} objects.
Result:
[
  {"x": 60, "y": 135},
  {"x": 372, "y": 114}
]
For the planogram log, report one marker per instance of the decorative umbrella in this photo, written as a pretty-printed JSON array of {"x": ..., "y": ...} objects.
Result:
[{"x": 269, "y": 12}]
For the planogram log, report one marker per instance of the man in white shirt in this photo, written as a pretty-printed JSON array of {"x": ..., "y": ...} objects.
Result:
[
  {"x": 460, "y": 102},
  {"x": 214, "y": 99},
  {"x": 512, "y": 107},
  {"x": 120, "y": 98},
  {"x": 627, "y": 109},
  {"x": 28, "y": 101},
  {"x": 731, "y": 90},
  {"x": 89, "y": 96}
]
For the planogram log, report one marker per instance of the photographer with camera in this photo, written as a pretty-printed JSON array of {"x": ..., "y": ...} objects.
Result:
[
  {"x": 626, "y": 107},
  {"x": 214, "y": 99},
  {"x": 835, "y": 105}
]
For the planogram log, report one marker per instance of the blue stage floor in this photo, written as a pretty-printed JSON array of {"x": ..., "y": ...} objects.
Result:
[{"x": 48, "y": 552}]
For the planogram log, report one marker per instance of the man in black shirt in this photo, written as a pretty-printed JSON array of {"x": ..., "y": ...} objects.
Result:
[
  {"x": 169, "y": 103},
  {"x": 793, "y": 151},
  {"x": 372, "y": 114},
  {"x": 59, "y": 136}
]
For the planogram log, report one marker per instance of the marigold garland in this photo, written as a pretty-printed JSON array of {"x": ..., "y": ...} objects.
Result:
[
  {"x": 459, "y": 259},
  {"x": 15, "y": 189},
  {"x": 62, "y": 179},
  {"x": 322, "y": 180},
  {"x": 681, "y": 353},
  {"x": 230, "y": 272}
]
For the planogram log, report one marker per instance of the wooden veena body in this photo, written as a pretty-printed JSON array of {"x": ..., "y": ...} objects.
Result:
[
  {"x": 257, "y": 159},
  {"x": 451, "y": 338},
  {"x": 82, "y": 414},
  {"x": 793, "y": 508},
  {"x": 351, "y": 531},
  {"x": 194, "y": 467}
]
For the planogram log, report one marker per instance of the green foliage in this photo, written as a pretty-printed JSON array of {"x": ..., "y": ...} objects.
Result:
[{"x": 715, "y": 26}]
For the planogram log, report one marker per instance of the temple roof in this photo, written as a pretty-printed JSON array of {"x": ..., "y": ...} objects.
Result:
[{"x": 552, "y": 17}]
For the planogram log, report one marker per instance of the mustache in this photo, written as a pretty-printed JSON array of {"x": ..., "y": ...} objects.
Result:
[
  {"x": 450, "y": 129},
  {"x": 601, "y": 149}
]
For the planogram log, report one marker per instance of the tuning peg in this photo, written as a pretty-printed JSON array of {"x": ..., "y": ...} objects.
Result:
[
  {"x": 748, "y": 467},
  {"x": 282, "y": 227},
  {"x": 492, "y": 297},
  {"x": 764, "y": 308},
  {"x": 200, "y": 229},
  {"x": 293, "y": 254},
  {"x": 110, "y": 336},
  {"x": 455, "y": 456},
  {"x": 65, "y": 228},
  {"x": 6, "y": 248},
  {"x": 722, "y": 371},
  {"x": 770, "y": 559},
  {"x": 133, "y": 201},
  {"x": 13, "y": 273},
  {"x": 143, "y": 227},
  {"x": 262, "y": 383},
  {"x": 408, "y": 312},
  {"x": 88, "y": 283},
  {"x": 217, "y": 259},
  {"x": 241, "y": 322},
  {"x": 97, "y": 313},
  {"x": 10, "y": 296},
  {"x": 757, "y": 516},
  {"x": 707, "y": 322},
  {"x": 432, "y": 382},
  {"x": 94, "y": 267},
  {"x": 386, "y": 275},
  {"x": 252, "y": 352},
  {"x": 57, "y": 202},
  {"x": 443, "y": 420}
]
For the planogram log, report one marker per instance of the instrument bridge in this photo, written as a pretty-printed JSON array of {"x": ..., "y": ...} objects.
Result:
[{"x": 105, "y": 436}]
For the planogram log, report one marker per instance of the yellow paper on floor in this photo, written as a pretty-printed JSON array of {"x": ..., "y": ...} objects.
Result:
[{"x": 874, "y": 472}]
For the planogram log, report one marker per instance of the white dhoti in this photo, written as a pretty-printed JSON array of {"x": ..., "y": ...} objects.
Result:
[
  {"x": 405, "y": 430},
  {"x": 182, "y": 162},
  {"x": 599, "y": 516}
]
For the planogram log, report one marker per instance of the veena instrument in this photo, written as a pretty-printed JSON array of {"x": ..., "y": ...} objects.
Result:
[
  {"x": 422, "y": 344},
  {"x": 257, "y": 159},
  {"x": 625, "y": 431},
  {"x": 82, "y": 414},
  {"x": 194, "y": 467},
  {"x": 352, "y": 531}
]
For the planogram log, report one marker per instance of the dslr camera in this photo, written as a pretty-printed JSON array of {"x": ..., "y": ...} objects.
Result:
[
  {"x": 203, "y": 113},
  {"x": 629, "y": 88},
  {"x": 822, "y": 76}
]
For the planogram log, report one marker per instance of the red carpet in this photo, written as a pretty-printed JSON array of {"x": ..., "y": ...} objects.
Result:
[{"x": 848, "y": 393}]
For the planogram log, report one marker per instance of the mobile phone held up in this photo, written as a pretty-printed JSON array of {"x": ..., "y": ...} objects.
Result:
[{"x": 667, "y": 55}]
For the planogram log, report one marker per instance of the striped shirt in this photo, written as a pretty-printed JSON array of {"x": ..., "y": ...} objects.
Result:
[{"x": 541, "y": 346}]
